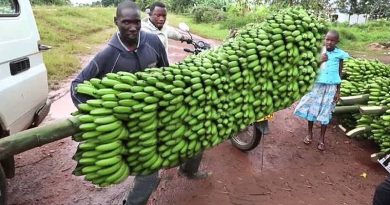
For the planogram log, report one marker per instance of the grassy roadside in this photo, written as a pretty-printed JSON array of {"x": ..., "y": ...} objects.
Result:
[
  {"x": 206, "y": 30},
  {"x": 355, "y": 39},
  {"x": 72, "y": 32}
]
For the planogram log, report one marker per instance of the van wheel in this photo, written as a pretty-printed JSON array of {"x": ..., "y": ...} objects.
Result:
[{"x": 3, "y": 187}]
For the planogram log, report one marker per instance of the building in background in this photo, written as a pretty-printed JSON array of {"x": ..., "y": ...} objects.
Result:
[{"x": 350, "y": 19}]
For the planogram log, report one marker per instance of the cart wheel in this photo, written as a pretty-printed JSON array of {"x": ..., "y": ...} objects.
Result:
[
  {"x": 3, "y": 187},
  {"x": 248, "y": 138}
]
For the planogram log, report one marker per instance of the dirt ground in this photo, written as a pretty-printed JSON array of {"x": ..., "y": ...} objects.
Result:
[{"x": 280, "y": 171}]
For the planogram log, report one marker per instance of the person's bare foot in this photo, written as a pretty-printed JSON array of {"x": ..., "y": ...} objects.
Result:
[
  {"x": 321, "y": 146},
  {"x": 307, "y": 140}
]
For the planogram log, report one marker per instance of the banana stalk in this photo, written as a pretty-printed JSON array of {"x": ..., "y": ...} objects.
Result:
[{"x": 38, "y": 136}]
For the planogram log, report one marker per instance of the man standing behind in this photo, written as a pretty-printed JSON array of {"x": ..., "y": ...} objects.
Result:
[{"x": 156, "y": 24}]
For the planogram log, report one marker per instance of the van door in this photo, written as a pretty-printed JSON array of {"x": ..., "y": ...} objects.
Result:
[{"x": 23, "y": 76}]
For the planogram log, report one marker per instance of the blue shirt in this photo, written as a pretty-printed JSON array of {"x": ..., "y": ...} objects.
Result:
[{"x": 329, "y": 71}]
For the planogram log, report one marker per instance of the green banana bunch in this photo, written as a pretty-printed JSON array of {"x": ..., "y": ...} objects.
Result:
[
  {"x": 373, "y": 78},
  {"x": 163, "y": 116}
]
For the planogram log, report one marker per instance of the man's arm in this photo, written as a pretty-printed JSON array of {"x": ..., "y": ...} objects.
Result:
[
  {"x": 174, "y": 34},
  {"x": 163, "y": 60},
  {"x": 91, "y": 71}
]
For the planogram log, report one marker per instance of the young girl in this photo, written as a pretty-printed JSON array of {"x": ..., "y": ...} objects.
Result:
[{"x": 318, "y": 104}]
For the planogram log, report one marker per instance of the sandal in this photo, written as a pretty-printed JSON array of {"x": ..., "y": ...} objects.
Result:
[
  {"x": 307, "y": 140},
  {"x": 321, "y": 146}
]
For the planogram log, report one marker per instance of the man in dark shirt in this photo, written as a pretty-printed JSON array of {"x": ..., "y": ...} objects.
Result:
[
  {"x": 132, "y": 50},
  {"x": 382, "y": 193}
]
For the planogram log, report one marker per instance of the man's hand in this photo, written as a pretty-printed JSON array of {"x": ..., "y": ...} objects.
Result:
[
  {"x": 186, "y": 39},
  {"x": 324, "y": 57}
]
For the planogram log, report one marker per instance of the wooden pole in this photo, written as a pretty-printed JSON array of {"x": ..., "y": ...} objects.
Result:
[{"x": 35, "y": 137}]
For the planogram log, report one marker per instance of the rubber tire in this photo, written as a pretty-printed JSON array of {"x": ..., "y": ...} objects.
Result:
[
  {"x": 3, "y": 187},
  {"x": 247, "y": 146}
]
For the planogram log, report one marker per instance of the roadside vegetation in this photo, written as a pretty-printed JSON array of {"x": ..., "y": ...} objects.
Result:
[
  {"x": 77, "y": 31},
  {"x": 72, "y": 33}
]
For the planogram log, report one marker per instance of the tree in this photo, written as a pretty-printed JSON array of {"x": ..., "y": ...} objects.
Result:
[
  {"x": 317, "y": 6},
  {"x": 375, "y": 8},
  {"x": 180, "y": 6},
  {"x": 110, "y": 2}
]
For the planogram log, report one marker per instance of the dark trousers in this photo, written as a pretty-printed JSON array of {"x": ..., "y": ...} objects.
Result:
[
  {"x": 145, "y": 185},
  {"x": 382, "y": 193}
]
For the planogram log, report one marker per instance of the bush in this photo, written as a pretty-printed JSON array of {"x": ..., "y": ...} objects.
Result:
[
  {"x": 50, "y": 2},
  {"x": 237, "y": 18},
  {"x": 346, "y": 33},
  {"x": 205, "y": 14}
]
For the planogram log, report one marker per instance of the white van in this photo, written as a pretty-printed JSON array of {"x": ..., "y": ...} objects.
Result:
[{"x": 23, "y": 76}]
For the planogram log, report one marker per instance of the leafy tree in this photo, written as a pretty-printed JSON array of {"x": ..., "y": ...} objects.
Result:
[
  {"x": 316, "y": 6},
  {"x": 110, "y": 2},
  {"x": 375, "y": 8},
  {"x": 180, "y": 6}
]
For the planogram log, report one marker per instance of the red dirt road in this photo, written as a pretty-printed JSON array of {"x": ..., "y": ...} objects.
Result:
[
  {"x": 281, "y": 171},
  {"x": 291, "y": 172}
]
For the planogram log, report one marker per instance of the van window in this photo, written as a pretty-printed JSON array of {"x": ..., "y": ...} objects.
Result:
[{"x": 9, "y": 8}]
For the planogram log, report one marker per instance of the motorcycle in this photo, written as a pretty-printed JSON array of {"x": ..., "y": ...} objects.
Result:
[
  {"x": 248, "y": 138},
  {"x": 198, "y": 45}
]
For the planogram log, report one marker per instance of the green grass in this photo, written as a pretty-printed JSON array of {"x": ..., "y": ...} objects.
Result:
[
  {"x": 359, "y": 37},
  {"x": 206, "y": 30},
  {"x": 72, "y": 32},
  {"x": 75, "y": 32}
]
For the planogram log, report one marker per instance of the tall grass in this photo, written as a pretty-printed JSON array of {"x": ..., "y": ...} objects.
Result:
[
  {"x": 359, "y": 37},
  {"x": 72, "y": 32}
]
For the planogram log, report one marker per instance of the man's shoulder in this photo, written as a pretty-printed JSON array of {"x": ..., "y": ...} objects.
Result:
[
  {"x": 150, "y": 37},
  {"x": 106, "y": 53}
]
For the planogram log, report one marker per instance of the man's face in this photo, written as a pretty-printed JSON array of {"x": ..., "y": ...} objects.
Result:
[
  {"x": 129, "y": 24},
  {"x": 331, "y": 41},
  {"x": 158, "y": 17}
]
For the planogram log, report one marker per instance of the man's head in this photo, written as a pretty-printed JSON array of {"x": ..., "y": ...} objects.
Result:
[
  {"x": 158, "y": 14},
  {"x": 128, "y": 20},
  {"x": 331, "y": 40}
]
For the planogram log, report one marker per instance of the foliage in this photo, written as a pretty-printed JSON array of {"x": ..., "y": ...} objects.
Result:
[
  {"x": 316, "y": 6},
  {"x": 207, "y": 30},
  {"x": 207, "y": 14},
  {"x": 110, "y": 2},
  {"x": 236, "y": 18},
  {"x": 375, "y": 8},
  {"x": 359, "y": 37},
  {"x": 50, "y": 2},
  {"x": 71, "y": 31},
  {"x": 180, "y": 6},
  {"x": 216, "y": 4}
]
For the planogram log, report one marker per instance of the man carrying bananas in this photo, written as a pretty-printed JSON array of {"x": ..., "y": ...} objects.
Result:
[{"x": 131, "y": 50}]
